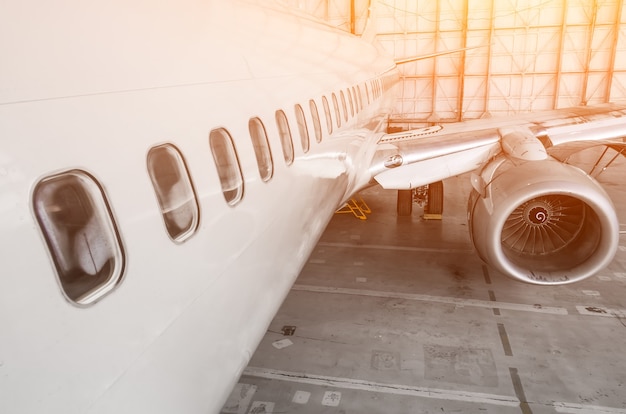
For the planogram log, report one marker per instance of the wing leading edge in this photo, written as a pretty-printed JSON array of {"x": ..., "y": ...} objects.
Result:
[{"x": 418, "y": 157}]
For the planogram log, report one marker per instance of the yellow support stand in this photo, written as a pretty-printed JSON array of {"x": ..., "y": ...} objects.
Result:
[
  {"x": 357, "y": 207},
  {"x": 427, "y": 216}
]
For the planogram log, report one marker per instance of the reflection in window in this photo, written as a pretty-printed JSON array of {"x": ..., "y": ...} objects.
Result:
[
  {"x": 261, "y": 148},
  {"x": 302, "y": 128},
  {"x": 329, "y": 118},
  {"x": 227, "y": 165},
  {"x": 174, "y": 191},
  {"x": 317, "y": 126},
  {"x": 337, "y": 113},
  {"x": 78, "y": 227},
  {"x": 285, "y": 136}
]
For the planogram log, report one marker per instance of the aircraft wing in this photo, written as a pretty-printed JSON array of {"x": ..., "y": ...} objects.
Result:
[
  {"x": 418, "y": 157},
  {"x": 531, "y": 216}
]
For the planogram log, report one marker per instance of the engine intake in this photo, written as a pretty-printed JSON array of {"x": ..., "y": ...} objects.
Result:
[{"x": 542, "y": 222}]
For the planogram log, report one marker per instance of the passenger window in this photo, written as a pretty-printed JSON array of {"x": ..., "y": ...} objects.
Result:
[
  {"x": 75, "y": 219},
  {"x": 302, "y": 128},
  {"x": 367, "y": 93},
  {"x": 261, "y": 148},
  {"x": 285, "y": 136},
  {"x": 343, "y": 106},
  {"x": 227, "y": 165},
  {"x": 174, "y": 190},
  {"x": 329, "y": 118},
  {"x": 317, "y": 126},
  {"x": 350, "y": 102},
  {"x": 337, "y": 113},
  {"x": 356, "y": 100}
]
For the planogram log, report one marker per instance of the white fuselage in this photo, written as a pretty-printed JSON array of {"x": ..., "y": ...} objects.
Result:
[{"x": 94, "y": 87}]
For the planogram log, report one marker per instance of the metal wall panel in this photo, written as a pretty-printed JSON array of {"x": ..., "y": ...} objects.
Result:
[{"x": 526, "y": 54}]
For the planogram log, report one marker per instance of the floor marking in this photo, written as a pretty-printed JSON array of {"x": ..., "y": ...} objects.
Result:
[
  {"x": 504, "y": 338},
  {"x": 331, "y": 399},
  {"x": 360, "y": 385},
  {"x": 301, "y": 397},
  {"x": 261, "y": 407},
  {"x": 283, "y": 343},
  {"x": 486, "y": 274},
  {"x": 519, "y": 391},
  {"x": 397, "y": 248},
  {"x": 317, "y": 261},
  {"x": 492, "y": 297},
  {"x": 239, "y": 399},
  {"x": 601, "y": 311},
  {"x": 562, "y": 407},
  {"x": 438, "y": 299}
]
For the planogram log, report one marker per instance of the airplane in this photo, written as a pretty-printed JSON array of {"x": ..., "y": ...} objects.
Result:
[{"x": 167, "y": 168}]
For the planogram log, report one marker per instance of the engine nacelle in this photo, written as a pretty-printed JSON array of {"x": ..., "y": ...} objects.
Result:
[{"x": 542, "y": 222}]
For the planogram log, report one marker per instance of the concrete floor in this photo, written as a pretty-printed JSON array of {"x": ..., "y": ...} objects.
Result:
[{"x": 398, "y": 315}]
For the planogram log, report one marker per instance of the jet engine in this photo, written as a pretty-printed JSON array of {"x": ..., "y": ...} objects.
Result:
[{"x": 542, "y": 222}]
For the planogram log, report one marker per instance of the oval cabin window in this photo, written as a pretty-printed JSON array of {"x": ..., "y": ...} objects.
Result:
[
  {"x": 350, "y": 102},
  {"x": 343, "y": 105},
  {"x": 302, "y": 128},
  {"x": 227, "y": 165},
  {"x": 337, "y": 113},
  {"x": 317, "y": 126},
  {"x": 261, "y": 148},
  {"x": 174, "y": 191},
  {"x": 285, "y": 136},
  {"x": 76, "y": 222},
  {"x": 329, "y": 118}
]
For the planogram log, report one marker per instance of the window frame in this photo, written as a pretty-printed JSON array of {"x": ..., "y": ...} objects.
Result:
[
  {"x": 186, "y": 187},
  {"x": 337, "y": 111},
  {"x": 227, "y": 165},
  {"x": 97, "y": 237},
  {"x": 315, "y": 116},
  {"x": 262, "y": 149},
  {"x": 284, "y": 133},
  {"x": 358, "y": 89},
  {"x": 343, "y": 105},
  {"x": 350, "y": 102},
  {"x": 329, "y": 116},
  {"x": 303, "y": 129}
]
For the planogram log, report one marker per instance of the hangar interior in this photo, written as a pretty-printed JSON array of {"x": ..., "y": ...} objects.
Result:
[
  {"x": 521, "y": 55},
  {"x": 397, "y": 314}
]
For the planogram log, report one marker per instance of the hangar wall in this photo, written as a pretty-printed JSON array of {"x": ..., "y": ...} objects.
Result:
[{"x": 524, "y": 55}]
